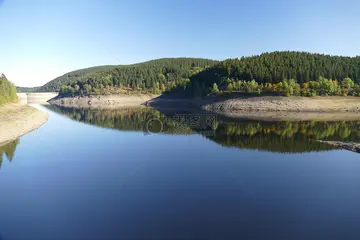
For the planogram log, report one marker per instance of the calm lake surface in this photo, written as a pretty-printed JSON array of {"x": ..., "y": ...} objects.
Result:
[{"x": 142, "y": 174}]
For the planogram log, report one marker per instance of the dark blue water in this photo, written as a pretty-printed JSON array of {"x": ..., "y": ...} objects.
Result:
[{"x": 71, "y": 179}]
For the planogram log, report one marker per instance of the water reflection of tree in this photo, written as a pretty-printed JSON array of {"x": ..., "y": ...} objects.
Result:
[
  {"x": 284, "y": 136},
  {"x": 316, "y": 130},
  {"x": 124, "y": 119},
  {"x": 269, "y": 136},
  {"x": 8, "y": 150}
]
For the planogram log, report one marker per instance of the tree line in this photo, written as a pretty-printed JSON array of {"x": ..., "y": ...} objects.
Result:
[
  {"x": 55, "y": 84},
  {"x": 7, "y": 90},
  {"x": 311, "y": 74},
  {"x": 155, "y": 76},
  {"x": 286, "y": 73},
  {"x": 321, "y": 87}
]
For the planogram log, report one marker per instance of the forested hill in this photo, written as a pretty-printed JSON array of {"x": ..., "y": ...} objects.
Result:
[
  {"x": 277, "y": 66},
  {"x": 153, "y": 76},
  {"x": 55, "y": 84},
  {"x": 7, "y": 90},
  {"x": 273, "y": 68},
  {"x": 285, "y": 73}
]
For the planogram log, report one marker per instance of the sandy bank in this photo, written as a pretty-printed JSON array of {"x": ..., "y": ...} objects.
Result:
[
  {"x": 16, "y": 120},
  {"x": 103, "y": 101}
]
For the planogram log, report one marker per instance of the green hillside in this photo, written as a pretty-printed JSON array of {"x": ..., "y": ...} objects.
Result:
[
  {"x": 55, "y": 84},
  {"x": 291, "y": 73},
  {"x": 154, "y": 76},
  {"x": 7, "y": 91},
  {"x": 281, "y": 73}
]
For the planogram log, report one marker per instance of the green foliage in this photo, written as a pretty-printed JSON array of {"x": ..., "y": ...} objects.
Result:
[
  {"x": 273, "y": 68},
  {"x": 87, "y": 88},
  {"x": 7, "y": 91},
  {"x": 309, "y": 74},
  {"x": 347, "y": 83},
  {"x": 215, "y": 89},
  {"x": 55, "y": 84},
  {"x": 154, "y": 76},
  {"x": 322, "y": 87},
  {"x": 230, "y": 87},
  {"x": 67, "y": 90}
]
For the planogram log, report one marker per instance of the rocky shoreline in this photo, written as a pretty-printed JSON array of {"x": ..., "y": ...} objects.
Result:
[
  {"x": 275, "y": 108},
  {"x": 288, "y": 104},
  {"x": 102, "y": 101},
  {"x": 354, "y": 147},
  {"x": 270, "y": 107}
]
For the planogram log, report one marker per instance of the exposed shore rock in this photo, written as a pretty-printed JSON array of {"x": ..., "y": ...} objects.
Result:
[
  {"x": 271, "y": 108},
  {"x": 354, "y": 147},
  {"x": 102, "y": 101},
  {"x": 265, "y": 104},
  {"x": 288, "y": 104},
  {"x": 17, "y": 120}
]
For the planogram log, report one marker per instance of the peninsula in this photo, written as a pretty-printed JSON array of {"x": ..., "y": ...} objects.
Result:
[{"x": 270, "y": 82}]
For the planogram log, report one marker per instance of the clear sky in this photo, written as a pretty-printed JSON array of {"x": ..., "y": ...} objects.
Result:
[{"x": 42, "y": 39}]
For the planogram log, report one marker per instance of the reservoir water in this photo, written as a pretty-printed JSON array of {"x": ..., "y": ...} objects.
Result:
[{"x": 143, "y": 174}]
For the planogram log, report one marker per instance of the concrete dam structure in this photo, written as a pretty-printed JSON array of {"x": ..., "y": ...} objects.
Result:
[{"x": 36, "y": 98}]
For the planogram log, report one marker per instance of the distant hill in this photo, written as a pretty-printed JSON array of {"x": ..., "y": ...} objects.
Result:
[
  {"x": 145, "y": 75},
  {"x": 26, "y": 89},
  {"x": 154, "y": 76},
  {"x": 55, "y": 84},
  {"x": 7, "y": 90},
  {"x": 284, "y": 73}
]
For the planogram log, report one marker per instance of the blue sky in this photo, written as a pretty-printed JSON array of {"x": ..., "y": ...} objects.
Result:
[{"x": 42, "y": 39}]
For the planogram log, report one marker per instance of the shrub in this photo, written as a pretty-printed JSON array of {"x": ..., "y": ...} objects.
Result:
[{"x": 7, "y": 91}]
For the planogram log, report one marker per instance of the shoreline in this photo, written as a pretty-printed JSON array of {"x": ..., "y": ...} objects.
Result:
[
  {"x": 16, "y": 120},
  {"x": 287, "y": 104},
  {"x": 268, "y": 108},
  {"x": 103, "y": 101},
  {"x": 350, "y": 146},
  {"x": 265, "y": 104}
]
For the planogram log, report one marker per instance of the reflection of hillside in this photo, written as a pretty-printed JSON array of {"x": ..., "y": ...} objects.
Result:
[
  {"x": 284, "y": 136},
  {"x": 268, "y": 136},
  {"x": 8, "y": 150},
  {"x": 124, "y": 119}
]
